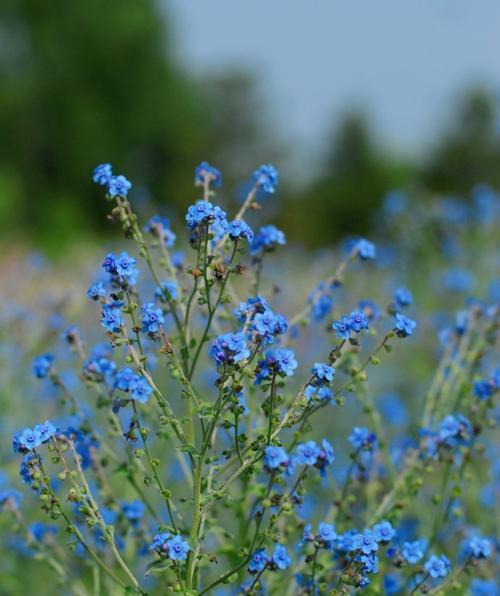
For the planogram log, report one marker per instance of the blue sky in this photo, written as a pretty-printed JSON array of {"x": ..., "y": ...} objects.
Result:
[{"x": 402, "y": 60}]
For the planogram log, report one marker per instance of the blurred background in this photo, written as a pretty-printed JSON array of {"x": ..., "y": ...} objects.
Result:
[{"x": 348, "y": 100}]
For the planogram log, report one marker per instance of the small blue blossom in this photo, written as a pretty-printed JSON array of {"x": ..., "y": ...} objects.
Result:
[
  {"x": 239, "y": 229},
  {"x": 42, "y": 365},
  {"x": 266, "y": 177},
  {"x": 152, "y": 319},
  {"x": 275, "y": 457},
  {"x": 96, "y": 291},
  {"x": 121, "y": 268},
  {"x": 160, "y": 226},
  {"x": 10, "y": 498},
  {"x": 323, "y": 373},
  {"x": 483, "y": 389},
  {"x": 326, "y": 533},
  {"x": 102, "y": 174},
  {"x": 29, "y": 439},
  {"x": 280, "y": 557},
  {"x": 307, "y": 453},
  {"x": 383, "y": 531},
  {"x": 365, "y": 249},
  {"x": 479, "y": 548},
  {"x": 111, "y": 318},
  {"x": 258, "y": 561},
  {"x": 159, "y": 541},
  {"x": 342, "y": 327},
  {"x": 362, "y": 438},
  {"x": 203, "y": 212},
  {"x": 437, "y": 566},
  {"x": 119, "y": 186},
  {"x": 178, "y": 548},
  {"x": 205, "y": 172},
  {"x": 134, "y": 511},
  {"x": 455, "y": 429},
  {"x": 281, "y": 362},
  {"x": 483, "y": 587},
  {"x": 413, "y": 552},
  {"x": 140, "y": 389},
  {"x": 124, "y": 378},
  {"x": 403, "y": 297},
  {"x": 368, "y": 543},
  {"x": 404, "y": 326},
  {"x": 229, "y": 348},
  {"x": 266, "y": 239},
  {"x": 169, "y": 289},
  {"x": 267, "y": 326}
]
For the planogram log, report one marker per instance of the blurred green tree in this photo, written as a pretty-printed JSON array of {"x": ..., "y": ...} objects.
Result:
[
  {"x": 468, "y": 150},
  {"x": 358, "y": 171},
  {"x": 84, "y": 82}
]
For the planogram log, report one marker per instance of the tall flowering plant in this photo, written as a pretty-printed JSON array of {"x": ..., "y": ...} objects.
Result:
[{"x": 201, "y": 410}]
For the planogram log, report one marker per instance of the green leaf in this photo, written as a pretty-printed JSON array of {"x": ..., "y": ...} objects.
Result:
[{"x": 158, "y": 567}]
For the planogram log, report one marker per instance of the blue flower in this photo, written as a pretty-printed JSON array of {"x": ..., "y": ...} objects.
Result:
[
  {"x": 403, "y": 297},
  {"x": 102, "y": 174},
  {"x": 168, "y": 289},
  {"x": 240, "y": 229},
  {"x": 266, "y": 177},
  {"x": 281, "y": 362},
  {"x": 266, "y": 239},
  {"x": 383, "y": 531},
  {"x": 248, "y": 310},
  {"x": 268, "y": 325},
  {"x": 111, "y": 318},
  {"x": 178, "y": 548},
  {"x": 280, "y": 557},
  {"x": 342, "y": 327},
  {"x": 45, "y": 431},
  {"x": 323, "y": 373},
  {"x": 362, "y": 438},
  {"x": 42, "y": 365},
  {"x": 412, "y": 552},
  {"x": 119, "y": 186},
  {"x": 404, "y": 326},
  {"x": 365, "y": 249},
  {"x": 96, "y": 291},
  {"x": 159, "y": 541},
  {"x": 307, "y": 453},
  {"x": 10, "y": 498},
  {"x": 275, "y": 457},
  {"x": 368, "y": 543},
  {"x": 152, "y": 319},
  {"x": 483, "y": 388},
  {"x": 358, "y": 321},
  {"x": 134, "y": 510},
  {"x": 203, "y": 212},
  {"x": 229, "y": 348},
  {"x": 455, "y": 430},
  {"x": 205, "y": 172},
  {"x": 140, "y": 389},
  {"x": 160, "y": 227},
  {"x": 29, "y": 439},
  {"x": 326, "y": 533},
  {"x": 124, "y": 378},
  {"x": 437, "y": 566},
  {"x": 483, "y": 587},
  {"x": 369, "y": 561},
  {"x": 258, "y": 561},
  {"x": 479, "y": 548},
  {"x": 349, "y": 541},
  {"x": 29, "y": 468},
  {"x": 121, "y": 268}
]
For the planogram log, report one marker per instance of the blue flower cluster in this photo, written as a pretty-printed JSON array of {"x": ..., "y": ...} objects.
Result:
[
  {"x": 171, "y": 546},
  {"x": 118, "y": 186},
  {"x": 30, "y": 438},
  {"x": 230, "y": 348},
  {"x": 353, "y": 323}
]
